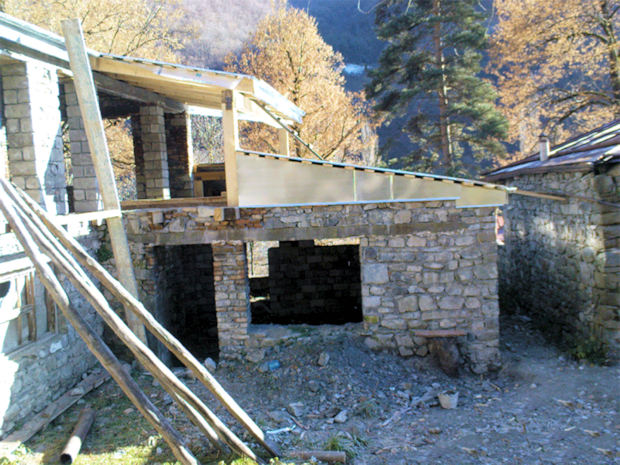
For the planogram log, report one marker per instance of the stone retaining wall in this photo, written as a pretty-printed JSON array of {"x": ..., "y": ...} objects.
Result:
[
  {"x": 561, "y": 261},
  {"x": 424, "y": 265}
]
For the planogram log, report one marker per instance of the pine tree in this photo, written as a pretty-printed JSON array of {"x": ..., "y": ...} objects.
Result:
[{"x": 429, "y": 74}]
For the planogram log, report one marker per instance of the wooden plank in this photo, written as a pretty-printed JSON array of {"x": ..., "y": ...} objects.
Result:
[
  {"x": 210, "y": 175},
  {"x": 126, "y": 91},
  {"x": 198, "y": 189},
  {"x": 75, "y": 218},
  {"x": 91, "y": 115},
  {"x": 283, "y": 142},
  {"x": 51, "y": 412},
  {"x": 230, "y": 128},
  {"x": 438, "y": 333},
  {"x": 174, "y": 203},
  {"x": 540, "y": 195},
  {"x": 50, "y": 308}
]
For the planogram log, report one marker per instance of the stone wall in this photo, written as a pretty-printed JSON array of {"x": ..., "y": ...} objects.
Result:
[
  {"x": 561, "y": 261},
  {"x": 314, "y": 285},
  {"x": 424, "y": 265},
  {"x": 39, "y": 372}
]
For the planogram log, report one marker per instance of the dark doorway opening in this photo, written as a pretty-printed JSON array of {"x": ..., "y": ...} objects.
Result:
[
  {"x": 186, "y": 299},
  {"x": 308, "y": 283}
]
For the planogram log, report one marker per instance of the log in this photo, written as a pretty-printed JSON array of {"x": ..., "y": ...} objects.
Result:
[
  {"x": 74, "y": 444},
  {"x": 132, "y": 304},
  {"x": 330, "y": 456},
  {"x": 94, "y": 342},
  {"x": 145, "y": 356}
]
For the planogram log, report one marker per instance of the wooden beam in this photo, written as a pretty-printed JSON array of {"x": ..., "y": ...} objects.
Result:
[
  {"x": 126, "y": 91},
  {"x": 174, "y": 203},
  {"x": 283, "y": 142},
  {"x": 230, "y": 128},
  {"x": 73, "y": 218},
  {"x": 91, "y": 115}
]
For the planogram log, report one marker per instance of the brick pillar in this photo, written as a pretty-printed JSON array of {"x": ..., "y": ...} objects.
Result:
[
  {"x": 33, "y": 131},
  {"x": 232, "y": 301},
  {"x": 138, "y": 153},
  {"x": 153, "y": 134},
  {"x": 180, "y": 153},
  {"x": 86, "y": 193}
]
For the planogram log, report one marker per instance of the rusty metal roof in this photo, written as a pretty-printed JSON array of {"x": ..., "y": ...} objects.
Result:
[{"x": 581, "y": 153}]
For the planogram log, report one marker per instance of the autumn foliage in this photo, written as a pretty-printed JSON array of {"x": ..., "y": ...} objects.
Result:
[
  {"x": 287, "y": 51},
  {"x": 557, "y": 66}
]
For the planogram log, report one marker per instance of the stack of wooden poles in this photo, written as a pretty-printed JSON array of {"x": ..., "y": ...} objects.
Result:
[{"x": 41, "y": 239}]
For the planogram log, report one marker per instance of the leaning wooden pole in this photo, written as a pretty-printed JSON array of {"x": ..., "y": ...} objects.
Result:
[
  {"x": 89, "y": 107},
  {"x": 93, "y": 341},
  {"x": 175, "y": 387},
  {"x": 135, "y": 306}
]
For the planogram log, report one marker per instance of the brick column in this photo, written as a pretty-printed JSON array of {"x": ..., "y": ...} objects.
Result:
[
  {"x": 34, "y": 139},
  {"x": 86, "y": 193},
  {"x": 180, "y": 154},
  {"x": 232, "y": 301},
  {"x": 153, "y": 134},
  {"x": 138, "y": 154}
]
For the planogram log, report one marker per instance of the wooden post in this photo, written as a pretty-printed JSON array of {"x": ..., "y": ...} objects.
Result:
[
  {"x": 92, "y": 339},
  {"x": 283, "y": 141},
  {"x": 89, "y": 107},
  {"x": 135, "y": 306},
  {"x": 230, "y": 128}
]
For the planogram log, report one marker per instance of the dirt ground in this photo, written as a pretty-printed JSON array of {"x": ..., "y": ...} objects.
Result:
[
  {"x": 323, "y": 388},
  {"x": 541, "y": 408}
]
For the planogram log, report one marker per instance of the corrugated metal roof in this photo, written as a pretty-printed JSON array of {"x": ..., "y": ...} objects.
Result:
[{"x": 581, "y": 153}]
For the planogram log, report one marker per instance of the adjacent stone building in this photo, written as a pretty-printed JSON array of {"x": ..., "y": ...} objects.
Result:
[{"x": 561, "y": 260}]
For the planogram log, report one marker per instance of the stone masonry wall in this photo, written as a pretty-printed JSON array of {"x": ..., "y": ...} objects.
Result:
[
  {"x": 561, "y": 261},
  {"x": 39, "y": 372},
  {"x": 314, "y": 285},
  {"x": 424, "y": 265}
]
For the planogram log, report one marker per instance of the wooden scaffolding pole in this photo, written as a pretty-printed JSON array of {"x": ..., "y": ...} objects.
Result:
[
  {"x": 89, "y": 107},
  {"x": 213, "y": 428},
  {"x": 92, "y": 339},
  {"x": 37, "y": 214}
]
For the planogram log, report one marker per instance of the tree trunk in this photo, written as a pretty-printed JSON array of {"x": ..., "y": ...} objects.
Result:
[
  {"x": 442, "y": 91},
  {"x": 612, "y": 45}
]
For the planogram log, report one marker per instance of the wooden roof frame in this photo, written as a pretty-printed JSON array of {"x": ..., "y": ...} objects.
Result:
[{"x": 175, "y": 87}]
